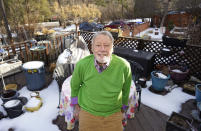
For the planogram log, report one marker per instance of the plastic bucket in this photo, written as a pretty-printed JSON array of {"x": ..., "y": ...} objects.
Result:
[
  {"x": 35, "y": 75},
  {"x": 13, "y": 108},
  {"x": 198, "y": 92},
  {"x": 9, "y": 95},
  {"x": 158, "y": 84}
]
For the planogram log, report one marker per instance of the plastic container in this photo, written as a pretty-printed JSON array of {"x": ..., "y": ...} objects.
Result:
[
  {"x": 9, "y": 95},
  {"x": 158, "y": 84},
  {"x": 33, "y": 104},
  {"x": 198, "y": 92},
  {"x": 13, "y": 108},
  {"x": 35, "y": 75}
]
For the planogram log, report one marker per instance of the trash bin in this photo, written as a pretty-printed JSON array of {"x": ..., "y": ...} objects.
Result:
[{"x": 35, "y": 75}]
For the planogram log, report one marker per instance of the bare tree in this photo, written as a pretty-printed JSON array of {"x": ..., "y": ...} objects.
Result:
[
  {"x": 5, "y": 21},
  {"x": 166, "y": 5}
]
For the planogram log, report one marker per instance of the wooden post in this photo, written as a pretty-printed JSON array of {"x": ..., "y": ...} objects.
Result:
[
  {"x": 21, "y": 53},
  {"x": 27, "y": 51}
]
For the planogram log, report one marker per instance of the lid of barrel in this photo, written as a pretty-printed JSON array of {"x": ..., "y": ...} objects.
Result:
[
  {"x": 33, "y": 65},
  {"x": 11, "y": 103}
]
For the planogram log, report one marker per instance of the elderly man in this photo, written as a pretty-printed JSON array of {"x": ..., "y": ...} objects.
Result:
[{"x": 100, "y": 87}]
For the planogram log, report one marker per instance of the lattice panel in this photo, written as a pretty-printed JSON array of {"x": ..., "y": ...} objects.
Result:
[
  {"x": 191, "y": 56},
  {"x": 156, "y": 46},
  {"x": 87, "y": 37},
  {"x": 126, "y": 42}
]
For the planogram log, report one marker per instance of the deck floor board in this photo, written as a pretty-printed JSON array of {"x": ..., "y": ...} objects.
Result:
[{"x": 147, "y": 119}]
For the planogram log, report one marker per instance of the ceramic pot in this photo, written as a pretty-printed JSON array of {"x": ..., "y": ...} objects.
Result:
[{"x": 178, "y": 73}]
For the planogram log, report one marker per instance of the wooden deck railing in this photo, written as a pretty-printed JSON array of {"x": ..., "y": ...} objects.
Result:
[{"x": 51, "y": 52}]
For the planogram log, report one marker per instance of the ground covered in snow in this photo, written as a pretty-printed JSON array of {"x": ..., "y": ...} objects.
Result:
[{"x": 41, "y": 120}]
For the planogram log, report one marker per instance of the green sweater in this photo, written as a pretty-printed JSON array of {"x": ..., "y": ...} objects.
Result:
[{"x": 101, "y": 94}]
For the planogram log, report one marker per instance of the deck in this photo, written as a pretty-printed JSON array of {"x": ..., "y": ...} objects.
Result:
[{"x": 147, "y": 119}]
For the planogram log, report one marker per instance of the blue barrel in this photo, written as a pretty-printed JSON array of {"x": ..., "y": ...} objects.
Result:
[
  {"x": 35, "y": 75},
  {"x": 158, "y": 84},
  {"x": 198, "y": 92}
]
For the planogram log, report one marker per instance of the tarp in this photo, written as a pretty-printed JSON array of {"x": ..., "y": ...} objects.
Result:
[{"x": 76, "y": 51}]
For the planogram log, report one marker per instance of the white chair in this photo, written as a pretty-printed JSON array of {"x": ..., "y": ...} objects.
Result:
[{"x": 61, "y": 72}]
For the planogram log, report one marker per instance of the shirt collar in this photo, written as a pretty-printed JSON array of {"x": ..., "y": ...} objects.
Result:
[{"x": 106, "y": 64}]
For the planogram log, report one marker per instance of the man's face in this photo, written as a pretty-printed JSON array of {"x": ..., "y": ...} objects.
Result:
[{"x": 102, "y": 48}]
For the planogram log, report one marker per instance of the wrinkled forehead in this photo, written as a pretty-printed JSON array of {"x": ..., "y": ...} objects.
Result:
[{"x": 102, "y": 39}]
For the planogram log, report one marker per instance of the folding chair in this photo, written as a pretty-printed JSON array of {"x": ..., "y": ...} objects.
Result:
[
  {"x": 61, "y": 72},
  {"x": 137, "y": 71}
]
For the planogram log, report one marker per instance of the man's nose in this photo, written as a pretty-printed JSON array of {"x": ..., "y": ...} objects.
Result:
[{"x": 102, "y": 47}]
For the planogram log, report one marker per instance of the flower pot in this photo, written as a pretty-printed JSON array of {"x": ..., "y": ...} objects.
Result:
[
  {"x": 158, "y": 83},
  {"x": 8, "y": 95},
  {"x": 13, "y": 108},
  {"x": 198, "y": 92},
  {"x": 178, "y": 73},
  {"x": 178, "y": 122}
]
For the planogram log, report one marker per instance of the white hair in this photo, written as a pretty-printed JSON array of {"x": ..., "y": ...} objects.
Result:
[{"x": 106, "y": 33}]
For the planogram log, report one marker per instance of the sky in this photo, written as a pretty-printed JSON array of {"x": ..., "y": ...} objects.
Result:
[{"x": 41, "y": 120}]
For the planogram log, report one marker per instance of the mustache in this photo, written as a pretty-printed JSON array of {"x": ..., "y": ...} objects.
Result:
[{"x": 102, "y": 53}]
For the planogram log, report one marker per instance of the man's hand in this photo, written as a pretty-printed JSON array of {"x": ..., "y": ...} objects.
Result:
[{"x": 76, "y": 111}]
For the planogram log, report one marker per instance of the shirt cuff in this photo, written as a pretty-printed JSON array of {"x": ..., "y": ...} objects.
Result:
[
  {"x": 74, "y": 100},
  {"x": 124, "y": 107}
]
